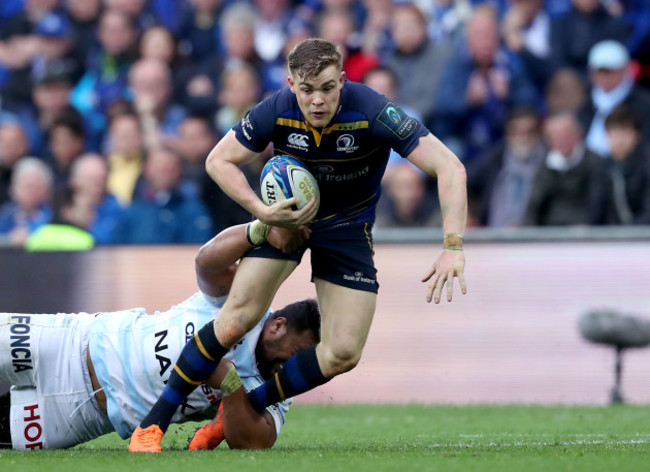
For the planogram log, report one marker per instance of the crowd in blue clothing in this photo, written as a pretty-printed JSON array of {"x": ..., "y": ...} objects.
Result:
[{"x": 134, "y": 94}]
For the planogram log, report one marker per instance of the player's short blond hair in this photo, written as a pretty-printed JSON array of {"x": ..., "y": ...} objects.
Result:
[{"x": 310, "y": 57}]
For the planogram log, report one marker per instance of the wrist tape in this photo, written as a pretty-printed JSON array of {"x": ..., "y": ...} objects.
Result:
[
  {"x": 256, "y": 233},
  {"x": 231, "y": 382}
]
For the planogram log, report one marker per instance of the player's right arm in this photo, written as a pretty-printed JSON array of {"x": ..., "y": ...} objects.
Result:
[
  {"x": 243, "y": 427},
  {"x": 434, "y": 158},
  {"x": 223, "y": 164},
  {"x": 216, "y": 261}
]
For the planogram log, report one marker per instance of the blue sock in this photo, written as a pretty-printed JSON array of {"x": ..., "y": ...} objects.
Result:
[
  {"x": 299, "y": 374},
  {"x": 198, "y": 359}
]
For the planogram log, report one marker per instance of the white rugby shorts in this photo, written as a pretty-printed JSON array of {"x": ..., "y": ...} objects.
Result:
[{"x": 43, "y": 357}]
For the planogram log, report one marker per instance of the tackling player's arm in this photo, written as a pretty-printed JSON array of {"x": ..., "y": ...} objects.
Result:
[
  {"x": 216, "y": 261},
  {"x": 434, "y": 158},
  {"x": 223, "y": 164},
  {"x": 243, "y": 427}
]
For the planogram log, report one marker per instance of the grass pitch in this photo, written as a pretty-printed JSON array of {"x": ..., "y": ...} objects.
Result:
[{"x": 393, "y": 438}]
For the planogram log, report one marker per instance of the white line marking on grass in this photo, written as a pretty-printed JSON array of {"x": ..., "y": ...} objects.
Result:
[{"x": 622, "y": 442}]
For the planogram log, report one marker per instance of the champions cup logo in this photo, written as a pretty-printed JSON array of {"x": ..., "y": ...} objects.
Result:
[
  {"x": 393, "y": 115},
  {"x": 298, "y": 141},
  {"x": 345, "y": 143}
]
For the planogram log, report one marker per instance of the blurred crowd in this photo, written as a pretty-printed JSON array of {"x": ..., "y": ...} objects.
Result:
[{"x": 108, "y": 108}]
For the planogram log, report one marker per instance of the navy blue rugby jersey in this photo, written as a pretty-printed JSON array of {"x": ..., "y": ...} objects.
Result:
[{"x": 348, "y": 156}]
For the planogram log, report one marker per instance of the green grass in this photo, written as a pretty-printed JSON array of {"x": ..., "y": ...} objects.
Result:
[{"x": 394, "y": 438}]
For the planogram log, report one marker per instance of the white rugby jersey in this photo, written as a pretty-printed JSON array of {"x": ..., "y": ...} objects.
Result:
[{"x": 149, "y": 346}]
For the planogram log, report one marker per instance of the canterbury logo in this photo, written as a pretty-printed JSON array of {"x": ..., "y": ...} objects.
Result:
[{"x": 299, "y": 140}]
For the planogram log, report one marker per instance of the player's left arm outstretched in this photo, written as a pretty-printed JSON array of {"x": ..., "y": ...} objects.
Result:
[{"x": 434, "y": 158}]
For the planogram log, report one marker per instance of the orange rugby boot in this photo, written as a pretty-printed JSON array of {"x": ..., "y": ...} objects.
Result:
[
  {"x": 209, "y": 435},
  {"x": 146, "y": 440}
]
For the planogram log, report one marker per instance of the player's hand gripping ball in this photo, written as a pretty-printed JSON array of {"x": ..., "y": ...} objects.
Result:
[{"x": 285, "y": 177}]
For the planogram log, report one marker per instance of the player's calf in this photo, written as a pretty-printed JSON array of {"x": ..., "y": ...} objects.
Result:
[{"x": 198, "y": 359}]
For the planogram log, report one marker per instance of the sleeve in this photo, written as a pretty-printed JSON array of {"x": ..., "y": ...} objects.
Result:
[
  {"x": 393, "y": 126},
  {"x": 255, "y": 130}
]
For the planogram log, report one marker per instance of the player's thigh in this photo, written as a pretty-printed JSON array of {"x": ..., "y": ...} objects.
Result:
[
  {"x": 346, "y": 316},
  {"x": 254, "y": 286}
]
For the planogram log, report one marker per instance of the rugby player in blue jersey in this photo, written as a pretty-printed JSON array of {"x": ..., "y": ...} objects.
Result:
[
  {"x": 343, "y": 132},
  {"x": 77, "y": 376}
]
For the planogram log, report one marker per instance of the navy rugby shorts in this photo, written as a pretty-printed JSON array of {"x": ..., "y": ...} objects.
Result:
[{"x": 341, "y": 254}]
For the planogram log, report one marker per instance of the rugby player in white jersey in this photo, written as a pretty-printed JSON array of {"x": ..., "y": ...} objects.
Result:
[{"x": 77, "y": 376}]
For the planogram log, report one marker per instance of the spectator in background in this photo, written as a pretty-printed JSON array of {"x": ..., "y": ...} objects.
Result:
[
  {"x": 13, "y": 146},
  {"x": 51, "y": 99},
  {"x": 151, "y": 85},
  {"x": 196, "y": 139},
  {"x": 66, "y": 143},
  {"x": 238, "y": 25},
  {"x": 18, "y": 46},
  {"x": 107, "y": 68},
  {"x": 405, "y": 202},
  {"x": 90, "y": 206},
  {"x": 137, "y": 10},
  {"x": 162, "y": 214},
  {"x": 158, "y": 44},
  {"x": 574, "y": 34},
  {"x": 126, "y": 155},
  {"x": 568, "y": 187},
  {"x": 612, "y": 85},
  {"x": 202, "y": 80},
  {"x": 337, "y": 27},
  {"x": 477, "y": 89},
  {"x": 375, "y": 34},
  {"x": 271, "y": 27},
  {"x": 30, "y": 203},
  {"x": 200, "y": 31},
  {"x": 64, "y": 231},
  {"x": 84, "y": 20},
  {"x": 447, "y": 19},
  {"x": 417, "y": 61},
  {"x": 526, "y": 30},
  {"x": 239, "y": 93},
  {"x": 565, "y": 91},
  {"x": 276, "y": 72},
  {"x": 56, "y": 50},
  {"x": 636, "y": 14},
  {"x": 500, "y": 181},
  {"x": 627, "y": 176}
]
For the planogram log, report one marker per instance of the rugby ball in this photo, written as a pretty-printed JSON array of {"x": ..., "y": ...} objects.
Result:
[{"x": 285, "y": 177}]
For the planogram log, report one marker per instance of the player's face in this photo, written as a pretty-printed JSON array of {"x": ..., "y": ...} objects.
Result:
[
  {"x": 276, "y": 345},
  {"x": 318, "y": 96}
]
